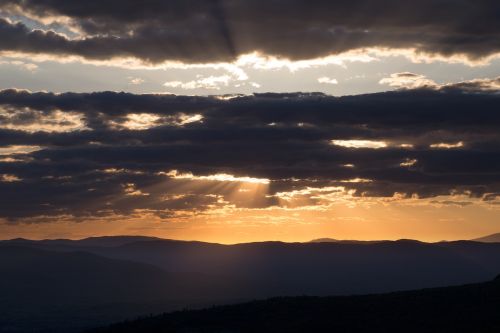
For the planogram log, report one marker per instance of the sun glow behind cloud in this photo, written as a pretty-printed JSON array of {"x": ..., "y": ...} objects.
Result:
[
  {"x": 37, "y": 121},
  {"x": 443, "y": 145},
  {"x": 220, "y": 177},
  {"x": 18, "y": 150},
  {"x": 8, "y": 178},
  {"x": 357, "y": 144},
  {"x": 256, "y": 154},
  {"x": 141, "y": 121},
  {"x": 145, "y": 121}
]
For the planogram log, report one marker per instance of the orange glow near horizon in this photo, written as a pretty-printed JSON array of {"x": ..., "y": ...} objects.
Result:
[
  {"x": 420, "y": 219},
  {"x": 216, "y": 125}
]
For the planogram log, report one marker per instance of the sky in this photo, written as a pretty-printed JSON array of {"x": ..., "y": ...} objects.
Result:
[{"x": 237, "y": 121}]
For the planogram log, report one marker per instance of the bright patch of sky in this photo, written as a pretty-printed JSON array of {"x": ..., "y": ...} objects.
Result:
[{"x": 352, "y": 77}]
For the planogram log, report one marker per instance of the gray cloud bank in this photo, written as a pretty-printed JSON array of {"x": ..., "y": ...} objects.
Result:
[
  {"x": 437, "y": 140},
  {"x": 208, "y": 31}
]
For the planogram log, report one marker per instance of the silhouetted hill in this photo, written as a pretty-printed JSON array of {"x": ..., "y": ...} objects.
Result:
[
  {"x": 105, "y": 241},
  {"x": 324, "y": 240},
  {"x": 124, "y": 276},
  {"x": 495, "y": 238},
  {"x": 471, "y": 308},
  {"x": 69, "y": 290},
  {"x": 332, "y": 240},
  {"x": 290, "y": 269},
  {"x": 323, "y": 268}
]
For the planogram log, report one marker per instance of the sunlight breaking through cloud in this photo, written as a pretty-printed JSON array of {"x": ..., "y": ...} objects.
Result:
[
  {"x": 145, "y": 121},
  {"x": 443, "y": 145},
  {"x": 357, "y": 144},
  {"x": 18, "y": 150},
  {"x": 28, "y": 120},
  {"x": 220, "y": 177},
  {"x": 8, "y": 178}
]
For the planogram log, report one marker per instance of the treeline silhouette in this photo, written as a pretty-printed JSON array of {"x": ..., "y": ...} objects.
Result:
[{"x": 470, "y": 308}]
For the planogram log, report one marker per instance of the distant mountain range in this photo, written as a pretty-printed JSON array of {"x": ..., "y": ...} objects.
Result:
[
  {"x": 332, "y": 240},
  {"x": 495, "y": 238},
  {"x": 470, "y": 308},
  {"x": 65, "y": 285}
]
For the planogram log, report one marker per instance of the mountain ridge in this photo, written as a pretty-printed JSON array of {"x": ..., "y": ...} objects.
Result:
[
  {"x": 493, "y": 238},
  {"x": 56, "y": 281},
  {"x": 118, "y": 240},
  {"x": 410, "y": 311}
]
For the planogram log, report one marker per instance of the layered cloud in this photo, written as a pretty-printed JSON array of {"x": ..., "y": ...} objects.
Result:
[
  {"x": 407, "y": 80},
  {"x": 197, "y": 31},
  {"x": 105, "y": 154}
]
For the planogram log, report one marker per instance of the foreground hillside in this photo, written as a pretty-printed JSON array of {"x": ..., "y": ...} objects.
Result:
[
  {"x": 48, "y": 291},
  {"x": 470, "y": 308},
  {"x": 66, "y": 286}
]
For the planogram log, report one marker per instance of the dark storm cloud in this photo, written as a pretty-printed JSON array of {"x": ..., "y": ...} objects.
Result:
[
  {"x": 105, "y": 169},
  {"x": 110, "y": 103},
  {"x": 207, "y": 31}
]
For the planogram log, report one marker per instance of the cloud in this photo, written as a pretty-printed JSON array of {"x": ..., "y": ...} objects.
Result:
[
  {"x": 476, "y": 85},
  {"x": 327, "y": 80},
  {"x": 9, "y": 178},
  {"x": 443, "y": 145},
  {"x": 210, "y": 83},
  {"x": 29, "y": 120},
  {"x": 408, "y": 162},
  {"x": 21, "y": 64},
  {"x": 17, "y": 150},
  {"x": 217, "y": 177},
  {"x": 135, "y": 80},
  {"x": 357, "y": 144},
  {"x": 408, "y": 80},
  {"x": 431, "y": 141},
  {"x": 219, "y": 31}
]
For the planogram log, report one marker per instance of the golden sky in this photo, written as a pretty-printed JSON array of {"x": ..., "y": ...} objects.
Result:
[{"x": 237, "y": 121}]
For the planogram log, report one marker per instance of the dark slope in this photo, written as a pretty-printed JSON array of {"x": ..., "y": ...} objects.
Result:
[
  {"x": 60, "y": 277},
  {"x": 471, "y": 308},
  {"x": 42, "y": 289},
  {"x": 65, "y": 284},
  {"x": 321, "y": 269},
  {"x": 105, "y": 241},
  {"x": 324, "y": 268},
  {"x": 495, "y": 238}
]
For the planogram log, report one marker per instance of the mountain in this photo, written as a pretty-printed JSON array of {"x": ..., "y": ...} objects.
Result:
[
  {"x": 333, "y": 240},
  {"x": 324, "y": 240},
  {"x": 64, "y": 284},
  {"x": 106, "y": 241},
  {"x": 291, "y": 269},
  {"x": 67, "y": 291},
  {"x": 470, "y": 308},
  {"x": 495, "y": 238}
]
